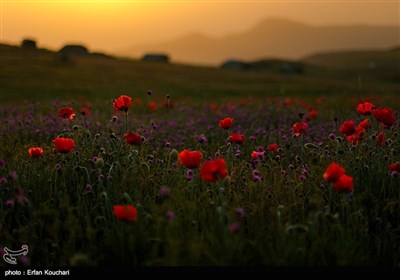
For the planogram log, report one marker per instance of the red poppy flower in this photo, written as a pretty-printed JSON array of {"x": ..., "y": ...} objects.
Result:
[
  {"x": 137, "y": 101},
  {"x": 190, "y": 159},
  {"x": 395, "y": 166},
  {"x": 85, "y": 111},
  {"x": 229, "y": 106},
  {"x": 287, "y": 102},
  {"x": 122, "y": 103},
  {"x": 66, "y": 113},
  {"x": 299, "y": 128},
  {"x": 214, "y": 107},
  {"x": 380, "y": 139},
  {"x": 256, "y": 155},
  {"x": 344, "y": 183},
  {"x": 385, "y": 116},
  {"x": 133, "y": 138},
  {"x": 365, "y": 124},
  {"x": 273, "y": 147},
  {"x": 213, "y": 169},
  {"x": 357, "y": 136},
  {"x": 365, "y": 108},
  {"x": 352, "y": 139},
  {"x": 35, "y": 152},
  {"x": 333, "y": 172},
  {"x": 236, "y": 138},
  {"x": 313, "y": 115},
  {"x": 125, "y": 213},
  {"x": 64, "y": 145},
  {"x": 348, "y": 128},
  {"x": 360, "y": 132},
  {"x": 152, "y": 106},
  {"x": 226, "y": 123}
]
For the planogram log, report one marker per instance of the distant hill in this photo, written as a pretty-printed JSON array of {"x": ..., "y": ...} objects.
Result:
[
  {"x": 357, "y": 59},
  {"x": 277, "y": 38},
  {"x": 376, "y": 64}
]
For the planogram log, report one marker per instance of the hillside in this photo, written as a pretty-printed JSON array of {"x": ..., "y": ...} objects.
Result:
[
  {"x": 357, "y": 59},
  {"x": 380, "y": 64},
  {"x": 272, "y": 38},
  {"x": 40, "y": 75}
]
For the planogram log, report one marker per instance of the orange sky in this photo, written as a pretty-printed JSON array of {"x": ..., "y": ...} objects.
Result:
[{"x": 111, "y": 26}]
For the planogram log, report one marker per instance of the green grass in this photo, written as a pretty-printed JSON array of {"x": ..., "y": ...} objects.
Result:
[{"x": 41, "y": 75}]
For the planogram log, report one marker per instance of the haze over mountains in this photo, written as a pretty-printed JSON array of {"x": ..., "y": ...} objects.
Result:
[{"x": 274, "y": 37}]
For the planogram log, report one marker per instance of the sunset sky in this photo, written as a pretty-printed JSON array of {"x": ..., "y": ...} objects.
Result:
[{"x": 112, "y": 26}]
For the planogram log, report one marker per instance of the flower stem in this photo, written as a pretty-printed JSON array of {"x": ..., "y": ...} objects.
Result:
[
  {"x": 84, "y": 121},
  {"x": 126, "y": 123}
]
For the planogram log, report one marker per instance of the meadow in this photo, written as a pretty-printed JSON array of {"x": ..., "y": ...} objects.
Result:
[{"x": 174, "y": 165}]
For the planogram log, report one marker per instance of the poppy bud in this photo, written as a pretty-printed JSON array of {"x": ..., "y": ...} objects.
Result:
[{"x": 99, "y": 163}]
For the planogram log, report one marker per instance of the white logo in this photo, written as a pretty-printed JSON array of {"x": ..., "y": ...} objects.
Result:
[{"x": 9, "y": 255}]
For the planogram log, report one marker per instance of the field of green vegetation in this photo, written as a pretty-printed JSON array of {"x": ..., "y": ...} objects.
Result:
[
  {"x": 123, "y": 162},
  {"x": 43, "y": 75}
]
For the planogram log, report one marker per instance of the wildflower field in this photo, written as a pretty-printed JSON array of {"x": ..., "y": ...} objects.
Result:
[
  {"x": 143, "y": 178},
  {"x": 255, "y": 181}
]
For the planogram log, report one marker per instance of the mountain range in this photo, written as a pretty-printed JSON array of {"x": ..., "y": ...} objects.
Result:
[{"x": 272, "y": 38}]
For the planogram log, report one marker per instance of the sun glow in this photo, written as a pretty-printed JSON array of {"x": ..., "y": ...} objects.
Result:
[
  {"x": 100, "y": 22},
  {"x": 115, "y": 26}
]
